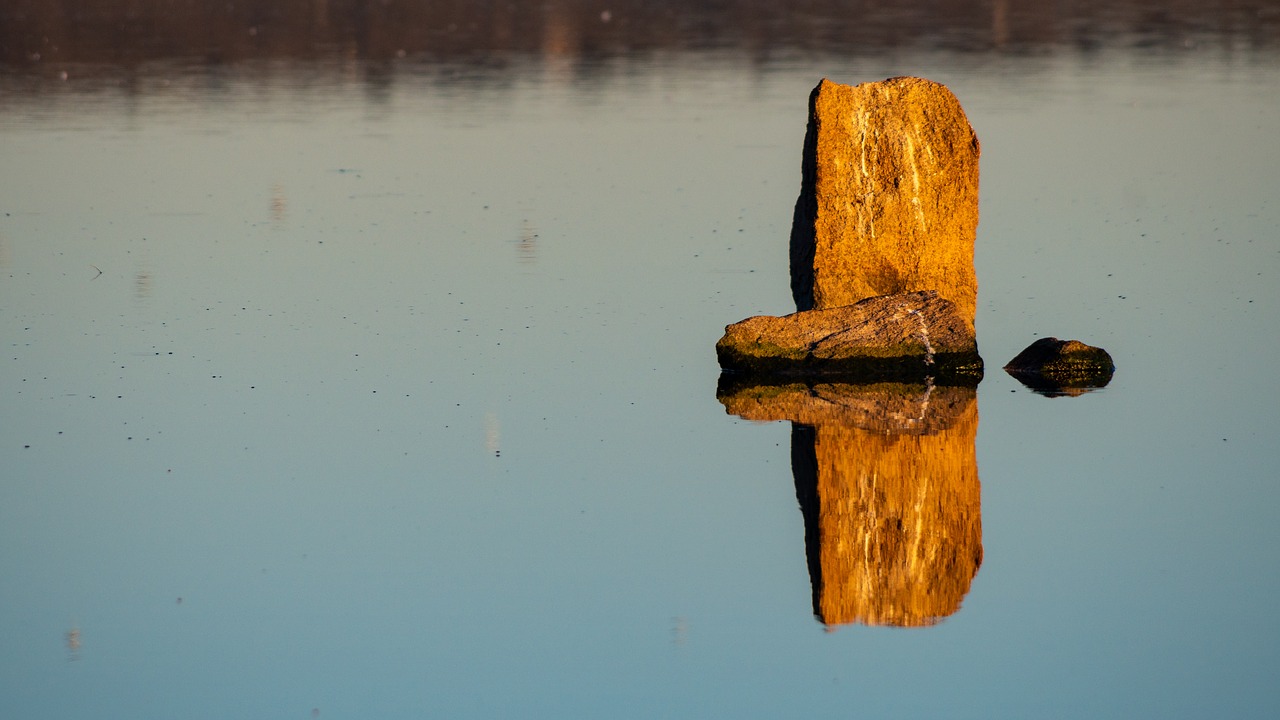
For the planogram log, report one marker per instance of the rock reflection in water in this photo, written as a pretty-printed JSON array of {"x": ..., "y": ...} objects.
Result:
[
  {"x": 887, "y": 480},
  {"x": 1051, "y": 389}
]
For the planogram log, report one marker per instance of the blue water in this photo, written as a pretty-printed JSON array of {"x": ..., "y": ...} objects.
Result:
[{"x": 324, "y": 399}]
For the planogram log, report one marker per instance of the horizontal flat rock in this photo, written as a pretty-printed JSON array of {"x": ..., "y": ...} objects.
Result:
[{"x": 907, "y": 336}]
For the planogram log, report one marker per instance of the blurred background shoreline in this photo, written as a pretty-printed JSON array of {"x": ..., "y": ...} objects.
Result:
[{"x": 42, "y": 38}]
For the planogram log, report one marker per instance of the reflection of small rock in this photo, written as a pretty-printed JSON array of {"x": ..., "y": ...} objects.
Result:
[{"x": 1062, "y": 367}]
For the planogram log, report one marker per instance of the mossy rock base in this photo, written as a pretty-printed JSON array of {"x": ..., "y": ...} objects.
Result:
[{"x": 951, "y": 369}]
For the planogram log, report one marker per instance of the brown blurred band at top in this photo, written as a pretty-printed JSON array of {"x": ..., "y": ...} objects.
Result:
[{"x": 34, "y": 33}]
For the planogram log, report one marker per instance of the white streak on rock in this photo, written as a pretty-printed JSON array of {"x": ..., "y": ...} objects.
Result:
[
  {"x": 915, "y": 181},
  {"x": 924, "y": 335}
]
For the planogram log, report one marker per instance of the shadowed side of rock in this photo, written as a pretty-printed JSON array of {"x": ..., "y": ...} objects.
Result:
[
  {"x": 805, "y": 214},
  {"x": 908, "y": 336},
  {"x": 889, "y": 196}
]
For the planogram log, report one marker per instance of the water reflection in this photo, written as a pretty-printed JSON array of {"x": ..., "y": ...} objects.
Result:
[
  {"x": 73, "y": 643},
  {"x": 679, "y": 630},
  {"x": 142, "y": 284},
  {"x": 492, "y": 435},
  {"x": 527, "y": 244},
  {"x": 1051, "y": 389},
  {"x": 279, "y": 205},
  {"x": 887, "y": 480}
]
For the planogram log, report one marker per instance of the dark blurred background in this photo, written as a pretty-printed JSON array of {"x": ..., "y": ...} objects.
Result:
[{"x": 39, "y": 36}]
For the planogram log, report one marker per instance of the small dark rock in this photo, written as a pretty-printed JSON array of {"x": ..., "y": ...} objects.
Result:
[{"x": 1062, "y": 367}]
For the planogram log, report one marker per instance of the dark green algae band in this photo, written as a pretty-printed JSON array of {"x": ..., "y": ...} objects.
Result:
[{"x": 964, "y": 369}]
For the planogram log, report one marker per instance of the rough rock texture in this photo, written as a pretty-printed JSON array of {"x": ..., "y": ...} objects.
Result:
[
  {"x": 889, "y": 196},
  {"x": 887, "y": 479},
  {"x": 1062, "y": 367},
  {"x": 908, "y": 336}
]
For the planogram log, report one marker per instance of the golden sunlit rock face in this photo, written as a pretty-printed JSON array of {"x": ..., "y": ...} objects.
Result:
[
  {"x": 889, "y": 198},
  {"x": 887, "y": 480}
]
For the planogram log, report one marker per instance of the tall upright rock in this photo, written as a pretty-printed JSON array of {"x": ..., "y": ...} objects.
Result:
[{"x": 889, "y": 198}]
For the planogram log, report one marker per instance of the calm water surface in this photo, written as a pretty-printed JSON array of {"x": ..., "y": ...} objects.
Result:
[{"x": 353, "y": 390}]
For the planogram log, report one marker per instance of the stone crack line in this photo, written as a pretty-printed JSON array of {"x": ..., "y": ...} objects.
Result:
[{"x": 924, "y": 334}]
